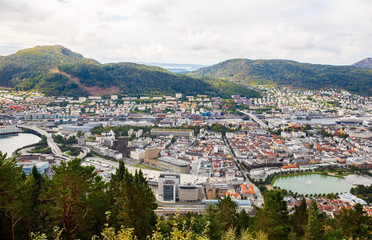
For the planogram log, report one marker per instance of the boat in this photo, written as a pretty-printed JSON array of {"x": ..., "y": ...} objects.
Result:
[{"x": 349, "y": 121}]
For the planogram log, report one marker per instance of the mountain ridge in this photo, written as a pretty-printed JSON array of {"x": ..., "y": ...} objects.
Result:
[
  {"x": 364, "y": 63},
  {"x": 56, "y": 70},
  {"x": 290, "y": 73}
]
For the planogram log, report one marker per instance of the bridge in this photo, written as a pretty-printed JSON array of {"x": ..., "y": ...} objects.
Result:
[
  {"x": 53, "y": 146},
  {"x": 84, "y": 151},
  {"x": 256, "y": 119}
]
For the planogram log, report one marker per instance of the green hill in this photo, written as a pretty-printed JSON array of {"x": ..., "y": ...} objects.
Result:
[
  {"x": 291, "y": 73},
  {"x": 31, "y": 69},
  {"x": 56, "y": 70}
]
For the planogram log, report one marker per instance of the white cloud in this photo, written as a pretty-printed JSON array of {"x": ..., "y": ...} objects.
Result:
[{"x": 193, "y": 31}]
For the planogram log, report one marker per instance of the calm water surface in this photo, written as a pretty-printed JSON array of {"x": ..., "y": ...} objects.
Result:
[
  {"x": 10, "y": 144},
  {"x": 325, "y": 120},
  {"x": 313, "y": 183}
]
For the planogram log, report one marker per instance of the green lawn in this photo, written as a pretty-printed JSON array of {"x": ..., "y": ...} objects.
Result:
[{"x": 146, "y": 167}]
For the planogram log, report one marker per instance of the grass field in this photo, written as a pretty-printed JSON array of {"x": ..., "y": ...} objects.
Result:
[{"x": 146, "y": 167}]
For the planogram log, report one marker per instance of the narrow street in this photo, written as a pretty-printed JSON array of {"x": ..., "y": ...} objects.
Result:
[{"x": 260, "y": 200}]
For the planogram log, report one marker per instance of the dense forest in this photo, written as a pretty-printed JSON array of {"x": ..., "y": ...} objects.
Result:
[
  {"x": 363, "y": 192},
  {"x": 57, "y": 71},
  {"x": 76, "y": 204},
  {"x": 291, "y": 73}
]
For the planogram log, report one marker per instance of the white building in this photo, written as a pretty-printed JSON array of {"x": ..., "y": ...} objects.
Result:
[
  {"x": 350, "y": 198},
  {"x": 138, "y": 154}
]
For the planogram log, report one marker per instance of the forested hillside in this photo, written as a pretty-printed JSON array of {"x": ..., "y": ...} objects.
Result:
[
  {"x": 291, "y": 73},
  {"x": 57, "y": 71}
]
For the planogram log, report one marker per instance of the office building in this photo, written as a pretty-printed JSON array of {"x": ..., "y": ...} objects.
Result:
[{"x": 168, "y": 187}]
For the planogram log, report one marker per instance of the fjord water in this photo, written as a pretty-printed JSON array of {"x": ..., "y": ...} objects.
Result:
[
  {"x": 313, "y": 184},
  {"x": 10, "y": 144}
]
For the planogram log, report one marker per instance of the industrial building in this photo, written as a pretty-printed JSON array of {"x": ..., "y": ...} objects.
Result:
[
  {"x": 27, "y": 166},
  {"x": 8, "y": 129},
  {"x": 175, "y": 132},
  {"x": 37, "y": 157},
  {"x": 173, "y": 164},
  {"x": 75, "y": 128},
  {"x": 190, "y": 192}
]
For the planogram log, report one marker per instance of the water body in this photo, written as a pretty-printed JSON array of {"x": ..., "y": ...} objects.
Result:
[
  {"x": 12, "y": 143},
  {"x": 317, "y": 121},
  {"x": 326, "y": 121},
  {"x": 313, "y": 184}
]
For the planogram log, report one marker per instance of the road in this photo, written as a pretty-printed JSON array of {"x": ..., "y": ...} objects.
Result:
[
  {"x": 256, "y": 119},
  {"x": 85, "y": 151},
  {"x": 53, "y": 146}
]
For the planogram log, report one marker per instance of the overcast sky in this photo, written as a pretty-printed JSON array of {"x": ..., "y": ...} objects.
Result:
[{"x": 192, "y": 31}]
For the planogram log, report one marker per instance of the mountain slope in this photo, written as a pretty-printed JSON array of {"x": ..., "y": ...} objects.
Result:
[
  {"x": 291, "y": 73},
  {"x": 56, "y": 70},
  {"x": 365, "y": 63},
  {"x": 30, "y": 69},
  {"x": 42, "y": 57},
  {"x": 142, "y": 79}
]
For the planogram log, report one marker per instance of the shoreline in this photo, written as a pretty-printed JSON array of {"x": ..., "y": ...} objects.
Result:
[{"x": 356, "y": 180}]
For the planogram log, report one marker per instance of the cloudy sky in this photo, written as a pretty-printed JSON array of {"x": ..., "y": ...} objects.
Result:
[{"x": 192, "y": 31}]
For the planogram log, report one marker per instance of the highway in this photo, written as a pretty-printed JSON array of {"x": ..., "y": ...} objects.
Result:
[
  {"x": 53, "y": 146},
  {"x": 256, "y": 119},
  {"x": 84, "y": 151}
]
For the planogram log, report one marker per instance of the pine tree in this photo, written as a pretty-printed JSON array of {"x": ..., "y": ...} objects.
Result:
[
  {"x": 243, "y": 221},
  {"x": 212, "y": 217},
  {"x": 33, "y": 221},
  {"x": 273, "y": 217},
  {"x": 299, "y": 218},
  {"x": 353, "y": 223},
  {"x": 227, "y": 209},
  {"x": 70, "y": 200},
  {"x": 314, "y": 227},
  {"x": 136, "y": 204},
  {"x": 361, "y": 223},
  {"x": 113, "y": 192},
  {"x": 13, "y": 195}
]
